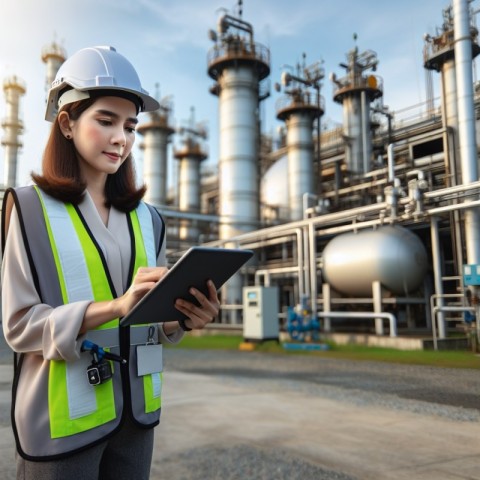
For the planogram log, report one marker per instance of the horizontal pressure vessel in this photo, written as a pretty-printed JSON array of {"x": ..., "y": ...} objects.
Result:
[{"x": 392, "y": 255}]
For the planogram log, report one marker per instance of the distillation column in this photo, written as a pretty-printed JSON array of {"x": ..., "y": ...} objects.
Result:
[
  {"x": 450, "y": 52},
  {"x": 439, "y": 55},
  {"x": 238, "y": 65},
  {"x": 299, "y": 107},
  {"x": 356, "y": 91},
  {"x": 466, "y": 130},
  {"x": 53, "y": 55},
  {"x": 190, "y": 155},
  {"x": 156, "y": 136},
  {"x": 12, "y": 125}
]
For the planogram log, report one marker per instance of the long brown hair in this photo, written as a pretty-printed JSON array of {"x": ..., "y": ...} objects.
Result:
[{"x": 61, "y": 176}]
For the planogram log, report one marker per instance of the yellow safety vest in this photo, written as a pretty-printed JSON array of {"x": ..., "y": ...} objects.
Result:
[{"x": 79, "y": 413}]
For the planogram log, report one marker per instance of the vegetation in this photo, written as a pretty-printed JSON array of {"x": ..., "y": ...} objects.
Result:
[{"x": 441, "y": 358}]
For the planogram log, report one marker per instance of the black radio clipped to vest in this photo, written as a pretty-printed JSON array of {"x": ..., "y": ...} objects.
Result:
[{"x": 100, "y": 370}]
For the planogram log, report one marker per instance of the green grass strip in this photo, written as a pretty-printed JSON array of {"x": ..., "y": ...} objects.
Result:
[{"x": 440, "y": 358}]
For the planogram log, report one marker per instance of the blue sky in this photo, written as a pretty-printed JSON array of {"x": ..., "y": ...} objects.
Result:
[{"x": 167, "y": 42}]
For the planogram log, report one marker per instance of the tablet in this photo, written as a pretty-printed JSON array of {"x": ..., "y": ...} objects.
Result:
[{"x": 193, "y": 269}]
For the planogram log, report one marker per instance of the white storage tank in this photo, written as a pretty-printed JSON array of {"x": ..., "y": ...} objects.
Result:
[{"x": 392, "y": 255}]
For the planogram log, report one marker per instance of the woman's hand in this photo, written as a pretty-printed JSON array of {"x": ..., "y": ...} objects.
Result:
[
  {"x": 98, "y": 313},
  {"x": 199, "y": 316},
  {"x": 145, "y": 279}
]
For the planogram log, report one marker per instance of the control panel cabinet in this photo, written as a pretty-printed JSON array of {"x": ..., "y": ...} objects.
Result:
[{"x": 260, "y": 313}]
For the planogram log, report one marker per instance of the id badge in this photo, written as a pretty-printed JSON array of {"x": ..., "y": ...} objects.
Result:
[{"x": 149, "y": 359}]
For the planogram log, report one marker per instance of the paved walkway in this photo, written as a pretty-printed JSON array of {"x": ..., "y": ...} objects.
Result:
[{"x": 364, "y": 441}]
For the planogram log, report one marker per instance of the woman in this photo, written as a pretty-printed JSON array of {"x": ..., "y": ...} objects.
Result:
[{"x": 80, "y": 250}]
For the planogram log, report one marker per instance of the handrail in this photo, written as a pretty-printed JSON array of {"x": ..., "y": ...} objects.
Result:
[{"x": 445, "y": 309}]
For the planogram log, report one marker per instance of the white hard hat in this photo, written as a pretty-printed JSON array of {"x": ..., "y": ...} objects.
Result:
[{"x": 100, "y": 69}]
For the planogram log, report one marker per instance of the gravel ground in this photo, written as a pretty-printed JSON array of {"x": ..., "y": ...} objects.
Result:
[
  {"x": 448, "y": 392},
  {"x": 242, "y": 462}
]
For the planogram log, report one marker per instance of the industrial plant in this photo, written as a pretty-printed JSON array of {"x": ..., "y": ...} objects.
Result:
[{"x": 367, "y": 230}]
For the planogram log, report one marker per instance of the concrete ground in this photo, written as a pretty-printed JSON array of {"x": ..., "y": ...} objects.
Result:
[{"x": 253, "y": 417}]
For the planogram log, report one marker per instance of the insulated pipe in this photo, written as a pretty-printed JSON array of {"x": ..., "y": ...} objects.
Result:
[{"x": 466, "y": 121}]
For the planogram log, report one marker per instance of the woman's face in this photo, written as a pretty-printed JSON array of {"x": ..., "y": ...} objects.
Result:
[{"x": 103, "y": 136}]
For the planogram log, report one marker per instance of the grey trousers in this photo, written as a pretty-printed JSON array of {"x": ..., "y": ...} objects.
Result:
[{"x": 125, "y": 456}]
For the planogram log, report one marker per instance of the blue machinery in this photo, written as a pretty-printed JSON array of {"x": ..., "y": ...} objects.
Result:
[
  {"x": 301, "y": 325},
  {"x": 303, "y": 328}
]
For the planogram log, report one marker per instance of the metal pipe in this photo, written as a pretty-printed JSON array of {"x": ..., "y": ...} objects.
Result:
[
  {"x": 432, "y": 316},
  {"x": 202, "y": 217},
  {"x": 437, "y": 271},
  {"x": 466, "y": 120},
  {"x": 466, "y": 112},
  {"x": 373, "y": 315},
  {"x": 442, "y": 309},
  {"x": 313, "y": 270},
  {"x": 390, "y": 162},
  {"x": 365, "y": 122},
  {"x": 323, "y": 220},
  {"x": 315, "y": 221},
  {"x": 306, "y": 261},
  {"x": 454, "y": 207},
  {"x": 306, "y": 196},
  {"x": 377, "y": 305},
  {"x": 229, "y": 21},
  {"x": 449, "y": 190},
  {"x": 267, "y": 273},
  {"x": 300, "y": 259}
]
